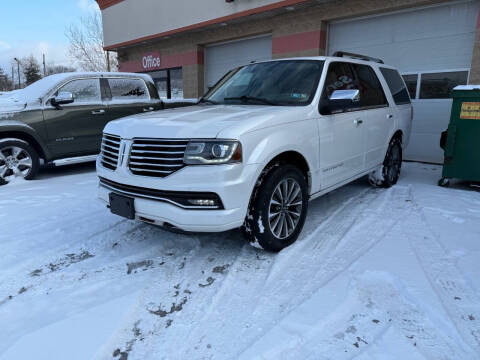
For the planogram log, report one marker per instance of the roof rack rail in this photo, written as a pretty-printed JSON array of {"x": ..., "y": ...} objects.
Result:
[{"x": 357, "y": 56}]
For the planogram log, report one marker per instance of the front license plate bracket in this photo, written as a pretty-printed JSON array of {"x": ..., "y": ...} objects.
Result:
[{"x": 122, "y": 206}]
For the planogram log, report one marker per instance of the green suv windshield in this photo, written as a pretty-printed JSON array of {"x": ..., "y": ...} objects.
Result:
[{"x": 286, "y": 82}]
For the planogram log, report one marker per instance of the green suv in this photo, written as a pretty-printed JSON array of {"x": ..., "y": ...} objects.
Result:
[{"x": 60, "y": 118}]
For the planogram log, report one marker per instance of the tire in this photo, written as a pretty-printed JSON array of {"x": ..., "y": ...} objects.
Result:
[
  {"x": 389, "y": 173},
  {"x": 444, "y": 182},
  {"x": 17, "y": 159},
  {"x": 284, "y": 222}
]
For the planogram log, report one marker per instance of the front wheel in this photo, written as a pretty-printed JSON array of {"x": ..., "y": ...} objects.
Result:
[
  {"x": 278, "y": 210},
  {"x": 17, "y": 160}
]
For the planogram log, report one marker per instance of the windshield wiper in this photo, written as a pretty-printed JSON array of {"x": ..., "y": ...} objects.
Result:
[
  {"x": 251, "y": 98},
  {"x": 206, "y": 101}
]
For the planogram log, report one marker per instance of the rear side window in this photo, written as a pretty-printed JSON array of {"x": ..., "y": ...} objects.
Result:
[
  {"x": 371, "y": 91},
  {"x": 128, "y": 89},
  {"x": 397, "y": 86}
]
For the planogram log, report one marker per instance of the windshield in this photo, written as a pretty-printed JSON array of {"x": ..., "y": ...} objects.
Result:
[{"x": 286, "y": 82}]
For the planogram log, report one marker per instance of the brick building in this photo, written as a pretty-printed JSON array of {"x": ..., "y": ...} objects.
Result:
[{"x": 187, "y": 45}]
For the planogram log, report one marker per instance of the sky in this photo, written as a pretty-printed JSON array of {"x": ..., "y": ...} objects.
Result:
[{"x": 37, "y": 27}]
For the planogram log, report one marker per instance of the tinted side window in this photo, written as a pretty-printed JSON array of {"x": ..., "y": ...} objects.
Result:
[
  {"x": 339, "y": 77},
  {"x": 371, "y": 91},
  {"x": 128, "y": 89},
  {"x": 83, "y": 90},
  {"x": 396, "y": 86}
]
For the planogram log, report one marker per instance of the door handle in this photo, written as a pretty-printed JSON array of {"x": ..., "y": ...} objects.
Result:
[
  {"x": 389, "y": 116},
  {"x": 358, "y": 122},
  {"x": 148, "y": 109},
  {"x": 98, "y": 112}
]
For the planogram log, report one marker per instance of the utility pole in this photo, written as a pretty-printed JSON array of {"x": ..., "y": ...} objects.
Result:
[
  {"x": 44, "y": 67},
  {"x": 13, "y": 78},
  {"x": 18, "y": 68},
  {"x": 108, "y": 61}
]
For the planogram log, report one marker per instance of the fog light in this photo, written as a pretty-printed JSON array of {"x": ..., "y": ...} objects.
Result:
[{"x": 203, "y": 202}]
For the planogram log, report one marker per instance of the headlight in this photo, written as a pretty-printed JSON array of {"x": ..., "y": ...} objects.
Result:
[{"x": 213, "y": 152}]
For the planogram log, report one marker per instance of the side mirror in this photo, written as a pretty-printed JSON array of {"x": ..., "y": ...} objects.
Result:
[
  {"x": 340, "y": 100},
  {"x": 63, "y": 97}
]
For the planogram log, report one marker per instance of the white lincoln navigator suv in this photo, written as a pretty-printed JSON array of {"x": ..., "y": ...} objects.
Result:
[{"x": 266, "y": 139}]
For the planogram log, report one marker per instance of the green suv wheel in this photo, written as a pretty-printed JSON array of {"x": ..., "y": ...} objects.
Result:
[{"x": 17, "y": 160}]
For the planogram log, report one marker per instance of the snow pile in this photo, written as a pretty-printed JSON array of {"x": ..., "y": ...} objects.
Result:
[{"x": 376, "y": 274}]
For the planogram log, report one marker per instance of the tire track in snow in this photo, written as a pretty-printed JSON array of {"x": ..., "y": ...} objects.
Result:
[
  {"x": 377, "y": 303},
  {"x": 355, "y": 233},
  {"x": 247, "y": 275},
  {"x": 459, "y": 299},
  {"x": 172, "y": 301},
  {"x": 96, "y": 279},
  {"x": 255, "y": 301}
]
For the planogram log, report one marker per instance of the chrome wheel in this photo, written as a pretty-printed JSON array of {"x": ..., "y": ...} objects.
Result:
[
  {"x": 285, "y": 208},
  {"x": 14, "y": 162}
]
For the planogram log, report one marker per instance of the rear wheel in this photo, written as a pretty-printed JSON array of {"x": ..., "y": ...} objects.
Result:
[
  {"x": 389, "y": 173},
  {"x": 278, "y": 210},
  {"x": 17, "y": 160}
]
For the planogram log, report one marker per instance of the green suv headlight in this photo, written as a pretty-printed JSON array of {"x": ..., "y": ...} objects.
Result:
[{"x": 213, "y": 152}]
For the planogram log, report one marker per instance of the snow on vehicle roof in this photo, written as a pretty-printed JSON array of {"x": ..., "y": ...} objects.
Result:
[
  {"x": 43, "y": 86},
  {"x": 467, "y": 87}
]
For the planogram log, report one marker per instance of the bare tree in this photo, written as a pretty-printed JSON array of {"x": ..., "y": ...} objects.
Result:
[
  {"x": 86, "y": 44},
  {"x": 5, "y": 83}
]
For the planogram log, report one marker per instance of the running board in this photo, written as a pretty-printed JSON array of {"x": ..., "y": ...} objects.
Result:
[{"x": 74, "y": 160}]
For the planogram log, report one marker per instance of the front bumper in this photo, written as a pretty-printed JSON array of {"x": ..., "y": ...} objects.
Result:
[{"x": 232, "y": 183}]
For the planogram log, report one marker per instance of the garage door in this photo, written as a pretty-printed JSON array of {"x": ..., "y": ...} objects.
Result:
[
  {"x": 432, "y": 47},
  {"x": 220, "y": 58}
]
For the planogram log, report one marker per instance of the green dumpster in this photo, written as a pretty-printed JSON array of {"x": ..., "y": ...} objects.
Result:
[{"x": 461, "y": 142}]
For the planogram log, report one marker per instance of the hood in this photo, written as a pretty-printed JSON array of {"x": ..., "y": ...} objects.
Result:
[
  {"x": 200, "y": 121},
  {"x": 12, "y": 102}
]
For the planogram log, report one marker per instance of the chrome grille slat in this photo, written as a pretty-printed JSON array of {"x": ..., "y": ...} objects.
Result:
[
  {"x": 110, "y": 157},
  {"x": 136, "y": 163},
  {"x": 167, "y": 146},
  {"x": 157, "y": 152},
  {"x": 109, "y": 151},
  {"x": 111, "y": 161},
  {"x": 150, "y": 170},
  {"x": 156, "y": 157}
]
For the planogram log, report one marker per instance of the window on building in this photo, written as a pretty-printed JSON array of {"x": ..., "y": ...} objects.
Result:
[
  {"x": 371, "y": 91},
  {"x": 411, "y": 81},
  {"x": 176, "y": 83},
  {"x": 83, "y": 90},
  {"x": 128, "y": 89},
  {"x": 396, "y": 86},
  {"x": 440, "y": 85},
  {"x": 169, "y": 83}
]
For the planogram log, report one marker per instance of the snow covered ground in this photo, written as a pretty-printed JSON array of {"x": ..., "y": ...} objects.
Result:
[{"x": 376, "y": 274}]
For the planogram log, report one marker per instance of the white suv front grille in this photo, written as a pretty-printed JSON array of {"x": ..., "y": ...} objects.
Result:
[
  {"x": 156, "y": 157},
  {"x": 109, "y": 151}
]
